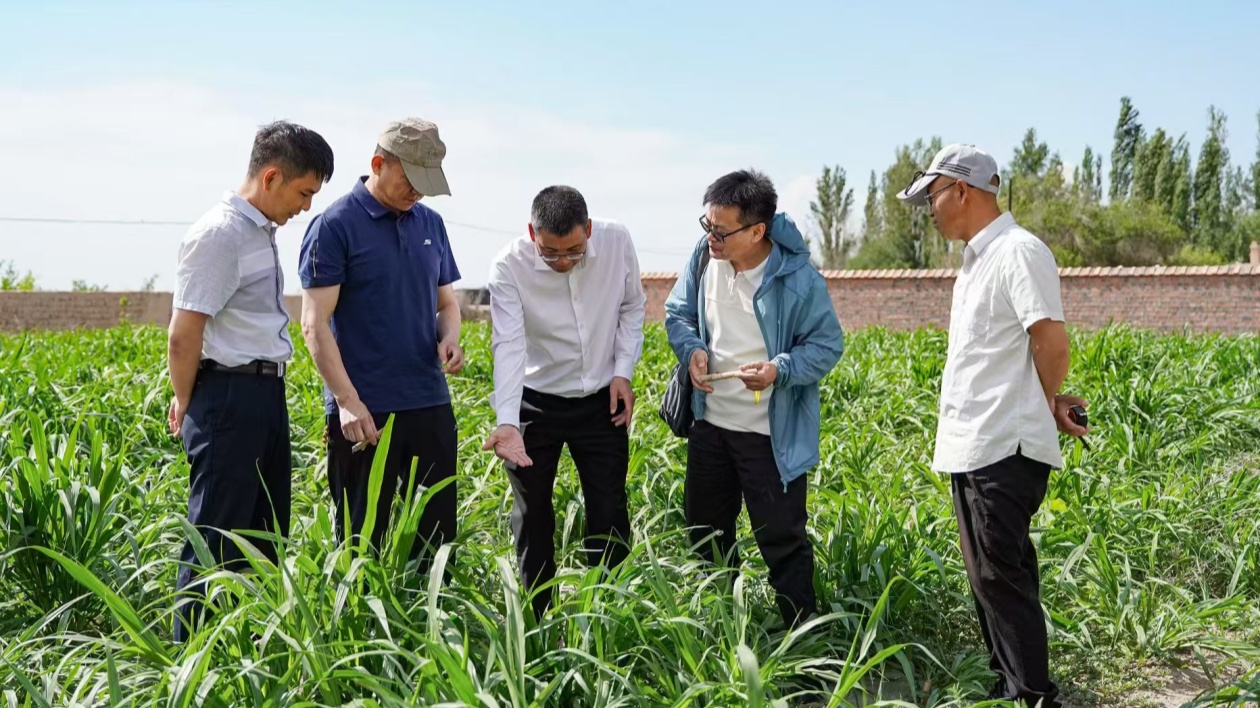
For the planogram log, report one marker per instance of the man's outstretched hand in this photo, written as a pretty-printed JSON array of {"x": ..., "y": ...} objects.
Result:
[{"x": 507, "y": 443}]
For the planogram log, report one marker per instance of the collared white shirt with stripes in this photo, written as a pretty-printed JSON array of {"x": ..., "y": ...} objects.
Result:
[{"x": 229, "y": 269}]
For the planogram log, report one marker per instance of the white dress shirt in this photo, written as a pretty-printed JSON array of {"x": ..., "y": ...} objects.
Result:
[
  {"x": 735, "y": 339},
  {"x": 992, "y": 402},
  {"x": 565, "y": 334}
]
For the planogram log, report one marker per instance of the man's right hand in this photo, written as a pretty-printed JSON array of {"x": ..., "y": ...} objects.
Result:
[
  {"x": 175, "y": 417},
  {"x": 699, "y": 367},
  {"x": 507, "y": 443},
  {"x": 357, "y": 424}
]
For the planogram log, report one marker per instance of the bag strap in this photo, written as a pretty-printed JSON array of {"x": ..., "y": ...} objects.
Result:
[{"x": 701, "y": 264}]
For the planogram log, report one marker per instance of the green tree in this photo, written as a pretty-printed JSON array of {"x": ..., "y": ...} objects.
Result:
[
  {"x": 1128, "y": 135},
  {"x": 1150, "y": 156},
  {"x": 907, "y": 238},
  {"x": 1255, "y": 170},
  {"x": 1128, "y": 233},
  {"x": 1031, "y": 157},
  {"x": 12, "y": 279},
  {"x": 1166, "y": 176},
  {"x": 1208, "y": 210},
  {"x": 1183, "y": 186},
  {"x": 1236, "y": 207},
  {"x": 873, "y": 215},
  {"x": 831, "y": 214},
  {"x": 1087, "y": 178},
  {"x": 82, "y": 286}
]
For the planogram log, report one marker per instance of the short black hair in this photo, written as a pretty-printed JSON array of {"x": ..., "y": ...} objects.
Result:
[
  {"x": 749, "y": 190},
  {"x": 294, "y": 149},
  {"x": 558, "y": 210}
]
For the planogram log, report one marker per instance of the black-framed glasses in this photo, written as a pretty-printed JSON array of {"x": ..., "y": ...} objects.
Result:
[{"x": 712, "y": 230}]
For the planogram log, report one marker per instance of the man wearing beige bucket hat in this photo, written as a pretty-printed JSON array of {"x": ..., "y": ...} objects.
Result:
[{"x": 381, "y": 320}]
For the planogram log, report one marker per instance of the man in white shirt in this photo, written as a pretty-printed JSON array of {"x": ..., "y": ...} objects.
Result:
[
  {"x": 567, "y": 309},
  {"x": 1000, "y": 407}
]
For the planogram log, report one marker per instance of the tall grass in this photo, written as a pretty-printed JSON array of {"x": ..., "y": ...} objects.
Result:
[{"x": 1149, "y": 545}]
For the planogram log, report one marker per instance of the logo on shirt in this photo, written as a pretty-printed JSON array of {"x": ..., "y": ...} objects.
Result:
[{"x": 428, "y": 242}]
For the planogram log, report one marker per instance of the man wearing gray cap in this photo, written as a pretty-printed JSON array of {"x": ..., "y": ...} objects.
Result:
[
  {"x": 381, "y": 320},
  {"x": 1000, "y": 407}
]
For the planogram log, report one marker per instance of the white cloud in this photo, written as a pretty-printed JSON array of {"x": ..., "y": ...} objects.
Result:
[{"x": 161, "y": 151}]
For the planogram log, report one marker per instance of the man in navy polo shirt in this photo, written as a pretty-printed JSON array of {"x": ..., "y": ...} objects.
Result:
[{"x": 381, "y": 320}]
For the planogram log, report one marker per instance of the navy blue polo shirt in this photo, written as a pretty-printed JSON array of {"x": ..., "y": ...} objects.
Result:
[{"x": 389, "y": 267}]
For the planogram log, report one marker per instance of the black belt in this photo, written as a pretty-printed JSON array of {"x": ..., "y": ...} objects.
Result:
[{"x": 257, "y": 367}]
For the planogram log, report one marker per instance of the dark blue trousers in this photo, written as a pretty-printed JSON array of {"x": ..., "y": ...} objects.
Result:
[{"x": 236, "y": 436}]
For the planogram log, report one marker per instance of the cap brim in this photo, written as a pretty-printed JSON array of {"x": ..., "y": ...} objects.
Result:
[
  {"x": 916, "y": 193},
  {"x": 429, "y": 181}
]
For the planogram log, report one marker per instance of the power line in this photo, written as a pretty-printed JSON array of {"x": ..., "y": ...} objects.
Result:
[{"x": 146, "y": 222}]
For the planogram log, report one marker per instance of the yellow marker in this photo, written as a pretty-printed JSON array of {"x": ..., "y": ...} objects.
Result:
[{"x": 756, "y": 398}]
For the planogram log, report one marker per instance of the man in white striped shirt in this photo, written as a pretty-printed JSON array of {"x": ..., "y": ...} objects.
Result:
[
  {"x": 227, "y": 350},
  {"x": 567, "y": 308}
]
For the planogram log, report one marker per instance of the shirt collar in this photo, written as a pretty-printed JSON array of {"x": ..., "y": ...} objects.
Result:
[
  {"x": 981, "y": 241},
  {"x": 242, "y": 205},
  {"x": 365, "y": 199},
  {"x": 755, "y": 274},
  {"x": 540, "y": 264}
]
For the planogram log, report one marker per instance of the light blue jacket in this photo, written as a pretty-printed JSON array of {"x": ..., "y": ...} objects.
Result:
[{"x": 802, "y": 335}]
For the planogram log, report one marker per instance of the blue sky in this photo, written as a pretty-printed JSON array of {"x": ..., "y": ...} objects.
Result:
[{"x": 144, "y": 110}]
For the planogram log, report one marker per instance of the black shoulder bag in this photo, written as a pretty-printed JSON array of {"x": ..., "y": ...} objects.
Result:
[{"x": 676, "y": 409}]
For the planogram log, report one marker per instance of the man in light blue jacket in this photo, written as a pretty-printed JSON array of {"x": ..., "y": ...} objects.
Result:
[{"x": 761, "y": 314}]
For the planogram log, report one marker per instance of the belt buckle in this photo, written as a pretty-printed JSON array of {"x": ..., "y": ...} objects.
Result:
[{"x": 280, "y": 367}]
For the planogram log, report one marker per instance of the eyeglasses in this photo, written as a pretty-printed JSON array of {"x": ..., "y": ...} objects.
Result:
[
  {"x": 570, "y": 257},
  {"x": 710, "y": 229},
  {"x": 931, "y": 195}
]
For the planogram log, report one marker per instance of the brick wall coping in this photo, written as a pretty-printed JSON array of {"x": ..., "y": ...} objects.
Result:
[{"x": 1097, "y": 272}]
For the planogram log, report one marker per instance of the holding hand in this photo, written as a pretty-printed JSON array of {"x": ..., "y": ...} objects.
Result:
[
  {"x": 699, "y": 366},
  {"x": 508, "y": 445},
  {"x": 357, "y": 424},
  {"x": 452, "y": 356},
  {"x": 620, "y": 391},
  {"x": 1061, "y": 406},
  {"x": 758, "y": 376}
]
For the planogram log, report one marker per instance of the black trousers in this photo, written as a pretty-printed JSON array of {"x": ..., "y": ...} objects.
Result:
[
  {"x": 429, "y": 437},
  {"x": 601, "y": 453},
  {"x": 722, "y": 466},
  {"x": 236, "y": 437},
  {"x": 995, "y": 506}
]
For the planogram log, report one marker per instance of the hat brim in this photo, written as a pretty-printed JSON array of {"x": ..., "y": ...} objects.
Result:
[
  {"x": 916, "y": 193},
  {"x": 429, "y": 181}
]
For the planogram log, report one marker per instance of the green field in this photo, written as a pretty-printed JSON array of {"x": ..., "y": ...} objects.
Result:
[{"x": 1150, "y": 548}]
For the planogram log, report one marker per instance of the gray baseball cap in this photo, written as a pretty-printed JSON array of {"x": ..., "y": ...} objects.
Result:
[
  {"x": 961, "y": 161},
  {"x": 416, "y": 143}
]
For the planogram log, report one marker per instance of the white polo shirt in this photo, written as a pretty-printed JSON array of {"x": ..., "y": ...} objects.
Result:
[
  {"x": 992, "y": 402},
  {"x": 565, "y": 334},
  {"x": 735, "y": 339}
]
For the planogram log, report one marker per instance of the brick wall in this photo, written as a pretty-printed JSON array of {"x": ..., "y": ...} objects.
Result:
[
  {"x": 63, "y": 310},
  {"x": 1210, "y": 298},
  {"x": 1213, "y": 298}
]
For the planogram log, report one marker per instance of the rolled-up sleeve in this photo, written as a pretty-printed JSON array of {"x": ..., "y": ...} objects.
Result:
[{"x": 208, "y": 272}]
